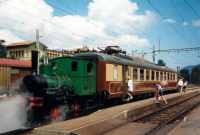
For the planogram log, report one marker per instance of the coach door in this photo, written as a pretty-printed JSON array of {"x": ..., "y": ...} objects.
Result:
[
  {"x": 124, "y": 78},
  {"x": 90, "y": 78},
  {"x": 124, "y": 73}
]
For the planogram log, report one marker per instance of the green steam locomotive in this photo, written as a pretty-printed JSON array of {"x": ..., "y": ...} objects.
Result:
[{"x": 64, "y": 86}]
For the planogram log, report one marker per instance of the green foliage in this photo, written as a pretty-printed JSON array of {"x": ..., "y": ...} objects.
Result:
[
  {"x": 3, "y": 52},
  {"x": 161, "y": 62},
  {"x": 185, "y": 74},
  {"x": 196, "y": 75}
]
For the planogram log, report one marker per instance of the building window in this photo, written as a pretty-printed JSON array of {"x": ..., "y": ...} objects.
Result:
[
  {"x": 115, "y": 75},
  {"x": 147, "y": 75},
  {"x": 141, "y": 74},
  {"x": 135, "y": 74},
  {"x": 152, "y": 75},
  {"x": 89, "y": 67},
  {"x": 74, "y": 66},
  {"x": 22, "y": 53}
]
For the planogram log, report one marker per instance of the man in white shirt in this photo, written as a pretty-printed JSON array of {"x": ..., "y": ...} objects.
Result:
[
  {"x": 180, "y": 85},
  {"x": 130, "y": 89}
]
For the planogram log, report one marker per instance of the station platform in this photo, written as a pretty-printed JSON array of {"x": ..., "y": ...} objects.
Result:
[
  {"x": 190, "y": 125},
  {"x": 115, "y": 119}
]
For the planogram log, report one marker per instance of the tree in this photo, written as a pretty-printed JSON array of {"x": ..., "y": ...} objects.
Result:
[
  {"x": 161, "y": 62},
  {"x": 185, "y": 74},
  {"x": 196, "y": 75},
  {"x": 2, "y": 49}
]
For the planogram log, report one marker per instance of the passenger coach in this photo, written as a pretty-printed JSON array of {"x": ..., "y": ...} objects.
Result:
[{"x": 113, "y": 72}]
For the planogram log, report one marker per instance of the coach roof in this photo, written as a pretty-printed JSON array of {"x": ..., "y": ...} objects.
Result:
[{"x": 122, "y": 59}]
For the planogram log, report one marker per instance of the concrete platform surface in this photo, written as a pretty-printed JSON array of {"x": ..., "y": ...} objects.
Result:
[
  {"x": 105, "y": 120},
  {"x": 190, "y": 125}
]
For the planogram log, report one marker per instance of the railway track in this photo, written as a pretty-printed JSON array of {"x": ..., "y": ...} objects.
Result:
[{"x": 169, "y": 114}]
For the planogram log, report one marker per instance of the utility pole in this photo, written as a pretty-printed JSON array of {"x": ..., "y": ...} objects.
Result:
[
  {"x": 38, "y": 46},
  {"x": 159, "y": 45},
  {"x": 154, "y": 53}
]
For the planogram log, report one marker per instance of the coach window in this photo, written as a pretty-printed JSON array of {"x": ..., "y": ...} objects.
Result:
[
  {"x": 157, "y": 75},
  {"x": 161, "y": 76},
  {"x": 135, "y": 74},
  {"x": 115, "y": 74},
  {"x": 127, "y": 72},
  {"x": 141, "y": 74},
  {"x": 74, "y": 66},
  {"x": 173, "y": 76},
  {"x": 167, "y": 75},
  {"x": 130, "y": 72},
  {"x": 152, "y": 75},
  {"x": 89, "y": 67},
  {"x": 147, "y": 75},
  {"x": 164, "y": 74}
]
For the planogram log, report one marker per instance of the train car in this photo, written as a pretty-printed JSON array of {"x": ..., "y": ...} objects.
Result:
[
  {"x": 69, "y": 85},
  {"x": 113, "y": 72}
]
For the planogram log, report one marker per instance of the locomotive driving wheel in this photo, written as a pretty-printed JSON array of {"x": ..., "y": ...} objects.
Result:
[
  {"x": 59, "y": 113},
  {"x": 76, "y": 108}
]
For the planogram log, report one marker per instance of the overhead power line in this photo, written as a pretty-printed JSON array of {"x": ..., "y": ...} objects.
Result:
[
  {"x": 163, "y": 18},
  {"x": 191, "y": 7},
  {"x": 171, "y": 50},
  {"x": 176, "y": 9},
  {"x": 193, "y": 49}
]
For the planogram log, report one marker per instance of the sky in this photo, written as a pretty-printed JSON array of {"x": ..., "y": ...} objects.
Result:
[{"x": 134, "y": 25}]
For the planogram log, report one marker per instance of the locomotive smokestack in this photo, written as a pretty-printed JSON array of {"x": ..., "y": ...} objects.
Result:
[{"x": 34, "y": 60}]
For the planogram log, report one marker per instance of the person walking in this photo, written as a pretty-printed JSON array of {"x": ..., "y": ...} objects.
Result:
[
  {"x": 130, "y": 89},
  {"x": 159, "y": 94},
  {"x": 128, "y": 94},
  {"x": 180, "y": 85},
  {"x": 185, "y": 86}
]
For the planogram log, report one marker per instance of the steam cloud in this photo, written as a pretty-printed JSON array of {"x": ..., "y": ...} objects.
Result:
[{"x": 12, "y": 113}]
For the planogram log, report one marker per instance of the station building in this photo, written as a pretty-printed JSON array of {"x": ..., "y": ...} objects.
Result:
[
  {"x": 12, "y": 71},
  {"x": 22, "y": 50},
  {"x": 58, "y": 53}
]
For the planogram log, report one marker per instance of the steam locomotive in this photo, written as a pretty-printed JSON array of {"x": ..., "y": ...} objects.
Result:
[{"x": 70, "y": 85}]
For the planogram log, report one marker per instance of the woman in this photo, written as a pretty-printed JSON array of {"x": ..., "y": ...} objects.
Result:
[{"x": 159, "y": 94}]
